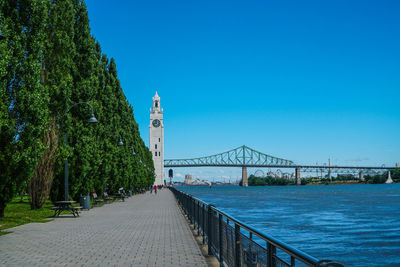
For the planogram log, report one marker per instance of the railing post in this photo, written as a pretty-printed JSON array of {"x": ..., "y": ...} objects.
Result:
[
  {"x": 198, "y": 218},
  {"x": 184, "y": 203},
  {"x": 187, "y": 206},
  {"x": 191, "y": 210},
  {"x": 209, "y": 231},
  {"x": 221, "y": 252},
  {"x": 237, "y": 246},
  {"x": 271, "y": 252},
  {"x": 195, "y": 215},
  {"x": 204, "y": 223},
  {"x": 227, "y": 239}
]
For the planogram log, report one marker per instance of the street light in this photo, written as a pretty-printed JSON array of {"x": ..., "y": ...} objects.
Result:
[
  {"x": 120, "y": 143},
  {"x": 134, "y": 155},
  {"x": 92, "y": 119}
]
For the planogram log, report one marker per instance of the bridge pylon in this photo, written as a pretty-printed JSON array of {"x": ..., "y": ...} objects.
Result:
[
  {"x": 245, "y": 181},
  {"x": 298, "y": 178}
]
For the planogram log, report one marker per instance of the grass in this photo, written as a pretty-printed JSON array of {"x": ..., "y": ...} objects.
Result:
[{"x": 18, "y": 213}]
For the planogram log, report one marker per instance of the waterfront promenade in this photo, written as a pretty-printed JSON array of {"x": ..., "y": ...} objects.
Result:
[{"x": 145, "y": 230}]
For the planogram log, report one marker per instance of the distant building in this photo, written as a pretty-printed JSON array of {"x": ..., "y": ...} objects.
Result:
[
  {"x": 188, "y": 179},
  {"x": 397, "y": 165}
]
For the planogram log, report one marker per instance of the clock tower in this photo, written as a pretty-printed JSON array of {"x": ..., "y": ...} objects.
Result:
[{"x": 156, "y": 141}]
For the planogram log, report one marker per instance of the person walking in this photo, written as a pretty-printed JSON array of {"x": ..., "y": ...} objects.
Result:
[{"x": 155, "y": 189}]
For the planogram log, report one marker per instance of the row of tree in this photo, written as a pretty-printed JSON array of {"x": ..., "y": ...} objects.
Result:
[
  {"x": 368, "y": 178},
  {"x": 49, "y": 61},
  {"x": 269, "y": 180},
  {"x": 371, "y": 179}
]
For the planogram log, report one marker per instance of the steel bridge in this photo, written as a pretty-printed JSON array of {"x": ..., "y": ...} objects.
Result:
[{"x": 245, "y": 157}]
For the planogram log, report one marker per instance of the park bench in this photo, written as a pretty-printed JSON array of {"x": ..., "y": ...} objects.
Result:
[
  {"x": 106, "y": 197},
  {"x": 97, "y": 200},
  {"x": 120, "y": 195},
  {"x": 66, "y": 206}
]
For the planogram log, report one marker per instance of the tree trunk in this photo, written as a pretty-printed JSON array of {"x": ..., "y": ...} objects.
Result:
[
  {"x": 40, "y": 184},
  {"x": 2, "y": 208}
]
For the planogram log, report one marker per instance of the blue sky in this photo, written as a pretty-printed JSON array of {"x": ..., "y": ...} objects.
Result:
[{"x": 302, "y": 80}]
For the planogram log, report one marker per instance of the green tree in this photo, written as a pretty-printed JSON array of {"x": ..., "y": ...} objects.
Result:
[
  {"x": 49, "y": 62},
  {"x": 24, "y": 99},
  {"x": 85, "y": 157},
  {"x": 60, "y": 51},
  {"x": 395, "y": 174}
]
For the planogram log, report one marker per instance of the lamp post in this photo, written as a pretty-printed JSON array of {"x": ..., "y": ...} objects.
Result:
[
  {"x": 120, "y": 143},
  {"x": 132, "y": 185},
  {"x": 92, "y": 119}
]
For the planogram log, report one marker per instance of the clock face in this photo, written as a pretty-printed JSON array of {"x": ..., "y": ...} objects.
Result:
[{"x": 156, "y": 123}]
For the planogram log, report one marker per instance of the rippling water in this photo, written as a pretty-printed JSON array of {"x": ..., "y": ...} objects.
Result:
[{"x": 358, "y": 225}]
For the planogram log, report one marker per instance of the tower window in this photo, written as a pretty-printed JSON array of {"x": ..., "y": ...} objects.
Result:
[
  {"x": 156, "y": 153},
  {"x": 159, "y": 139},
  {"x": 156, "y": 104},
  {"x": 156, "y": 146}
]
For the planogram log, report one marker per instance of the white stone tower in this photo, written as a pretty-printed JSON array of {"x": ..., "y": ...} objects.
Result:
[{"x": 156, "y": 129}]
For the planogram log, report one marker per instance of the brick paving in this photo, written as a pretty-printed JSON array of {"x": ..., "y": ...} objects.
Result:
[{"x": 145, "y": 230}]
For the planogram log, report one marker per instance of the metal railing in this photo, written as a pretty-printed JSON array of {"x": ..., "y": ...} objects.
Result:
[{"x": 235, "y": 243}]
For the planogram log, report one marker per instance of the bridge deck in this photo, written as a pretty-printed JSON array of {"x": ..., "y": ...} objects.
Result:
[{"x": 145, "y": 230}]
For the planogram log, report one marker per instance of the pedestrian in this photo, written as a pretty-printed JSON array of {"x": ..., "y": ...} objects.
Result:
[{"x": 155, "y": 189}]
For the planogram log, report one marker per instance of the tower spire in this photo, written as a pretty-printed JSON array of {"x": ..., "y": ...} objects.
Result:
[{"x": 156, "y": 104}]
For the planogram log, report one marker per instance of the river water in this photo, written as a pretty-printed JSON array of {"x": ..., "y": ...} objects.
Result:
[{"x": 358, "y": 225}]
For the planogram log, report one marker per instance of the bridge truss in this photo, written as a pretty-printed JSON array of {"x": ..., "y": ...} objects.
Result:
[
  {"x": 239, "y": 157},
  {"x": 244, "y": 156}
]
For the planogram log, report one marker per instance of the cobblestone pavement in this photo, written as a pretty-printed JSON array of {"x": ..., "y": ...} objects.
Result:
[{"x": 145, "y": 230}]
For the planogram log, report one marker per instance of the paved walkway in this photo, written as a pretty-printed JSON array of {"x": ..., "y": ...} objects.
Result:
[{"x": 145, "y": 230}]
